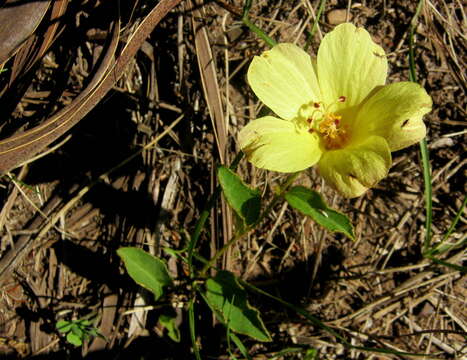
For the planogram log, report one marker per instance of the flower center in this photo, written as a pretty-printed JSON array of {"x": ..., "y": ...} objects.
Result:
[
  {"x": 334, "y": 135},
  {"x": 328, "y": 126}
]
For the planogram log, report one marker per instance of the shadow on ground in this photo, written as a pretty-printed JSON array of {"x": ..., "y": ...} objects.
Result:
[{"x": 140, "y": 349}]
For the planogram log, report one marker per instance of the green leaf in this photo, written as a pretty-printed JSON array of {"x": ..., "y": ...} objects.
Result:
[
  {"x": 311, "y": 354},
  {"x": 286, "y": 353},
  {"x": 240, "y": 346},
  {"x": 77, "y": 330},
  {"x": 63, "y": 326},
  {"x": 245, "y": 201},
  {"x": 84, "y": 322},
  {"x": 146, "y": 270},
  {"x": 311, "y": 203},
  {"x": 168, "y": 321},
  {"x": 74, "y": 339},
  {"x": 227, "y": 299}
]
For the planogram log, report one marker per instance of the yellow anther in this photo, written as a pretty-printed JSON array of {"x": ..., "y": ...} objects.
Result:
[{"x": 334, "y": 135}]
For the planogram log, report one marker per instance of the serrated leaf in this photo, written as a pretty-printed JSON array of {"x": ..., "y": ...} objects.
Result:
[
  {"x": 168, "y": 321},
  {"x": 227, "y": 299},
  {"x": 74, "y": 339},
  {"x": 311, "y": 203},
  {"x": 245, "y": 201},
  {"x": 63, "y": 326},
  {"x": 146, "y": 270}
]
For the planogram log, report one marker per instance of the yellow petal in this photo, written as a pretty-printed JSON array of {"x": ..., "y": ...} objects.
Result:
[
  {"x": 354, "y": 169},
  {"x": 395, "y": 112},
  {"x": 278, "y": 145},
  {"x": 284, "y": 80},
  {"x": 350, "y": 64}
]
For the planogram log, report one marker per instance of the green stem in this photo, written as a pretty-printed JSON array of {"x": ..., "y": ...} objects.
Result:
[
  {"x": 413, "y": 26},
  {"x": 199, "y": 227},
  {"x": 204, "y": 216},
  {"x": 423, "y": 144},
  {"x": 428, "y": 193},
  {"x": 445, "y": 263},
  {"x": 322, "y": 325},
  {"x": 456, "y": 219},
  {"x": 442, "y": 247},
  {"x": 246, "y": 20},
  {"x": 191, "y": 321},
  {"x": 283, "y": 188},
  {"x": 221, "y": 252},
  {"x": 315, "y": 25}
]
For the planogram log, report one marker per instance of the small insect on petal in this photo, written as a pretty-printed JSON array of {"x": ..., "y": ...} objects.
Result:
[{"x": 342, "y": 99}]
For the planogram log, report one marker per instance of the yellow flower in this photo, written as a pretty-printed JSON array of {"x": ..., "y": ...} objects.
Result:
[{"x": 335, "y": 111}]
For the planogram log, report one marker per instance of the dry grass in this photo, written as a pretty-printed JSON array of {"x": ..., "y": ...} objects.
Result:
[{"x": 178, "y": 107}]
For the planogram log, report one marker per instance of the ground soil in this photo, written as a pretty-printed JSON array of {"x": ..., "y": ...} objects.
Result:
[{"x": 71, "y": 215}]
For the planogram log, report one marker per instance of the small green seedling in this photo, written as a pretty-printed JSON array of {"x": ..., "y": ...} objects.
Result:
[{"x": 77, "y": 331}]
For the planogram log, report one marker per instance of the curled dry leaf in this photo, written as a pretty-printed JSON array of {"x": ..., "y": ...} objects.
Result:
[
  {"x": 21, "y": 147},
  {"x": 19, "y": 20}
]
